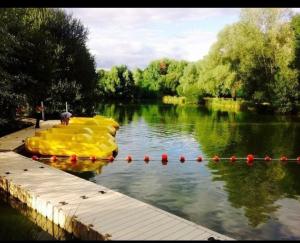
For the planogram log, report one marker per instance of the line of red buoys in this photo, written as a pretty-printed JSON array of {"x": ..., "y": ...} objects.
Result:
[{"x": 164, "y": 158}]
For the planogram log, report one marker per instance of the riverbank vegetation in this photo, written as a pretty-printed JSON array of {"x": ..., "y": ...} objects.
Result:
[
  {"x": 256, "y": 59},
  {"x": 44, "y": 57}
]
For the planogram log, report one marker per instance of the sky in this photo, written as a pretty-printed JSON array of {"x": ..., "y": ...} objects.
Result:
[{"x": 137, "y": 36}]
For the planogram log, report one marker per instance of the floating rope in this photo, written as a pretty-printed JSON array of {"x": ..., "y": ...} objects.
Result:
[{"x": 164, "y": 158}]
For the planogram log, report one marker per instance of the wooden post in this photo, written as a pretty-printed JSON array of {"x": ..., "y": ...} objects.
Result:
[
  {"x": 43, "y": 112},
  {"x": 66, "y": 106}
]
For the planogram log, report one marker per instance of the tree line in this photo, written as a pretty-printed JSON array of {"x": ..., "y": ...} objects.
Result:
[
  {"x": 256, "y": 59},
  {"x": 44, "y": 57}
]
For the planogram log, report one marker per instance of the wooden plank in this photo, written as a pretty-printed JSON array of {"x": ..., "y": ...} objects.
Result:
[
  {"x": 143, "y": 228},
  {"x": 120, "y": 218},
  {"x": 206, "y": 235},
  {"x": 166, "y": 229},
  {"x": 102, "y": 207},
  {"x": 176, "y": 232},
  {"x": 194, "y": 235},
  {"x": 135, "y": 214}
]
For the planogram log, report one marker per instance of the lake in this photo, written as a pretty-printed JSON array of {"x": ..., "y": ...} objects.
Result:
[
  {"x": 257, "y": 202},
  {"x": 244, "y": 202}
]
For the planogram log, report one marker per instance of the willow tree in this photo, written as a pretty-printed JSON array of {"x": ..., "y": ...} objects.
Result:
[
  {"x": 117, "y": 83},
  {"x": 188, "y": 83},
  {"x": 272, "y": 54},
  {"x": 253, "y": 59}
]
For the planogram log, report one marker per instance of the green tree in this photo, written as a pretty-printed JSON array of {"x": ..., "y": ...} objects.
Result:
[
  {"x": 49, "y": 60},
  {"x": 253, "y": 59},
  {"x": 188, "y": 85},
  {"x": 117, "y": 83}
]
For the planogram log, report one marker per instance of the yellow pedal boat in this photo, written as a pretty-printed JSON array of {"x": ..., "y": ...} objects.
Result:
[{"x": 83, "y": 137}]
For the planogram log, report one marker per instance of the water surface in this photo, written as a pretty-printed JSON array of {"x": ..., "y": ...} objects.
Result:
[{"x": 257, "y": 202}]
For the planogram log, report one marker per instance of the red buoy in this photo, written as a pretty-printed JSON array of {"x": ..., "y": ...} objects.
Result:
[
  {"x": 182, "y": 159},
  {"x": 111, "y": 158},
  {"x": 34, "y": 157},
  {"x": 250, "y": 158},
  {"x": 267, "y": 158},
  {"x": 283, "y": 158},
  {"x": 129, "y": 158},
  {"x": 164, "y": 158},
  {"x": 216, "y": 158},
  {"x": 53, "y": 158},
  {"x": 232, "y": 158},
  {"x": 146, "y": 158},
  {"x": 199, "y": 158},
  {"x": 298, "y": 160},
  {"x": 93, "y": 158},
  {"x": 73, "y": 158}
]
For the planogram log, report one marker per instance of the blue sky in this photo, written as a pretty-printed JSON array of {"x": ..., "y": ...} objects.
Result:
[{"x": 136, "y": 36}]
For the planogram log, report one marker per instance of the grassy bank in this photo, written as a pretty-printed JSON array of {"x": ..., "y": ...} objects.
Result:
[
  {"x": 227, "y": 104},
  {"x": 222, "y": 104},
  {"x": 176, "y": 100}
]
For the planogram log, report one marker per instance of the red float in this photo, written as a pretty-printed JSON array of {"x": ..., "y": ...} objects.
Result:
[
  {"x": 267, "y": 158},
  {"x": 199, "y": 159},
  {"x": 146, "y": 158},
  {"x": 111, "y": 158},
  {"x": 298, "y": 160},
  {"x": 73, "y": 158},
  {"x": 53, "y": 158},
  {"x": 232, "y": 159},
  {"x": 182, "y": 159},
  {"x": 283, "y": 158},
  {"x": 250, "y": 158},
  {"x": 34, "y": 157},
  {"x": 164, "y": 158},
  {"x": 93, "y": 158},
  {"x": 216, "y": 158},
  {"x": 129, "y": 158}
]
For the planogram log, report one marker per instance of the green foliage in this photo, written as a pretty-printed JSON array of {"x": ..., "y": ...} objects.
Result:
[
  {"x": 173, "y": 100},
  {"x": 44, "y": 58},
  {"x": 296, "y": 29},
  {"x": 225, "y": 104},
  {"x": 116, "y": 83},
  {"x": 158, "y": 78},
  {"x": 256, "y": 59},
  {"x": 189, "y": 80}
]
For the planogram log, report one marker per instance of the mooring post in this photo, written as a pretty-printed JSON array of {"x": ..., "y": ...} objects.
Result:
[{"x": 43, "y": 110}]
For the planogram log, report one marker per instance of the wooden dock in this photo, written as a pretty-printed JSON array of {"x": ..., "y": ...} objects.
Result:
[
  {"x": 88, "y": 210},
  {"x": 14, "y": 140}
]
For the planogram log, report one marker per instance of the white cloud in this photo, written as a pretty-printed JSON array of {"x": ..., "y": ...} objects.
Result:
[{"x": 136, "y": 36}]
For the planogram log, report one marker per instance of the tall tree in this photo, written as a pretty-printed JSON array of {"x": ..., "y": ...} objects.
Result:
[{"x": 51, "y": 60}]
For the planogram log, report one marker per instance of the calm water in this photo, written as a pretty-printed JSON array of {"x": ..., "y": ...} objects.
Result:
[{"x": 258, "y": 202}]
